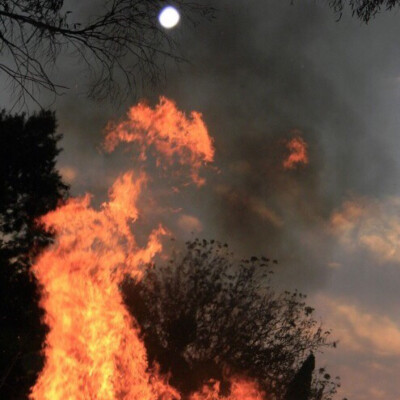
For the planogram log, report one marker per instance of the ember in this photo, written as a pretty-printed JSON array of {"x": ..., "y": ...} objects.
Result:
[{"x": 298, "y": 153}]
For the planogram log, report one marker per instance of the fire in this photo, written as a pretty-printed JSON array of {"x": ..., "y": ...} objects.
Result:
[
  {"x": 174, "y": 136},
  {"x": 298, "y": 153},
  {"x": 242, "y": 389},
  {"x": 93, "y": 349}
]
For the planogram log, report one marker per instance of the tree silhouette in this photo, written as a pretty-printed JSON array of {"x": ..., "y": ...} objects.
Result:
[
  {"x": 364, "y": 9},
  {"x": 122, "y": 41},
  {"x": 300, "y": 386},
  {"x": 30, "y": 186},
  {"x": 205, "y": 315}
]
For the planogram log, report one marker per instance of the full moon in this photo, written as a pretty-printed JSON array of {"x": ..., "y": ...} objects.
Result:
[{"x": 169, "y": 17}]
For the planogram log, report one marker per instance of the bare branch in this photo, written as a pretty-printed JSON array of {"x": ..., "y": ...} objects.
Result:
[
  {"x": 363, "y": 9},
  {"x": 119, "y": 46}
]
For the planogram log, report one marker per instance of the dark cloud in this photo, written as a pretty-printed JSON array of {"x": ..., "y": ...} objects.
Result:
[{"x": 260, "y": 70}]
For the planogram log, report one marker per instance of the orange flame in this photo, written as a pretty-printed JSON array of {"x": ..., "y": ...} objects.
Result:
[
  {"x": 173, "y": 135},
  {"x": 298, "y": 153},
  {"x": 93, "y": 349},
  {"x": 241, "y": 389}
]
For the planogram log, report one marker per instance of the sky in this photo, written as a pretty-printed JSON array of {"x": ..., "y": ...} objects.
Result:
[{"x": 261, "y": 73}]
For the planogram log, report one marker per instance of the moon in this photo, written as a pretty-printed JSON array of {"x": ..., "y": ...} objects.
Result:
[{"x": 169, "y": 17}]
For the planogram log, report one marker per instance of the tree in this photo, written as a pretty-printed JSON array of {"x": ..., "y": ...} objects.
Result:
[
  {"x": 364, "y": 9},
  {"x": 123, "y": 40},
  {"x": 204, "y": 316},
  {"x": 30, "y": 186},
  {"x": 300, "y": 386}
]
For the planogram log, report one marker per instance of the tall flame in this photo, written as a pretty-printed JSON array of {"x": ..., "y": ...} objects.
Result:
[{"x": 93, "y": 349}]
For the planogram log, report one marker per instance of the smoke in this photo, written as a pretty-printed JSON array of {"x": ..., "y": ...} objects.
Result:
[
  {"x": 94, "y": 347},
  {"x": 280, "y": 68},
  {"x": 256, "y": 73}
]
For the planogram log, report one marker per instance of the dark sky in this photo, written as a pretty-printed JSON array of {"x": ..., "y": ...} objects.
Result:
[{"x": 261, "y": 71}]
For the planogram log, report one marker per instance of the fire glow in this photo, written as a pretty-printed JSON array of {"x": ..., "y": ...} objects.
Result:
[
  {"x": 93, "y": 349},
  {"x": 297, "y": 153}
]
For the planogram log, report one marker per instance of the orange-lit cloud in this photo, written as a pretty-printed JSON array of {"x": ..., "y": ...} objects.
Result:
[
  {"x": 298, "y": 154},
  {"x": 359, "y": 330},
  {"x": 189, "y": 223},
  {"x": 370, "y": 224},
  {"x": 366, "y": 381},
  {"x": 68, "y": 173},
  {"x": 264, "y": 212}
]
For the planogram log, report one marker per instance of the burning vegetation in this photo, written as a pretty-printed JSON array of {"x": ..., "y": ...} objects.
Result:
[
  {"x": 203, "y": 327},
  {"x": 93, "y": 348},
  {"x": 206, "y": 316}
]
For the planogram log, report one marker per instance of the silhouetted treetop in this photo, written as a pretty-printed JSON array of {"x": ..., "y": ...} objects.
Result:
[
  {"x": 30, "y": 185},
  {"x": 205, "y": 315}
]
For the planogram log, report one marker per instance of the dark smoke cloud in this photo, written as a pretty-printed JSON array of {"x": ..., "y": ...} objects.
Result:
[{"x": 259, "y": 71}]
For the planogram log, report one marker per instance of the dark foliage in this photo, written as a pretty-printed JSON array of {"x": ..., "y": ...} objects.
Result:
[
  {"x": 120, "y": 43},
  {"x": 21, "y": 333},
  {"x": 30, "y": 184},
  {"x": 29, "y": 187},
  {"x": 300, "y": 386},
  {"x": 205, "y": 316},
  {"x": 364, "y": 9}
]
